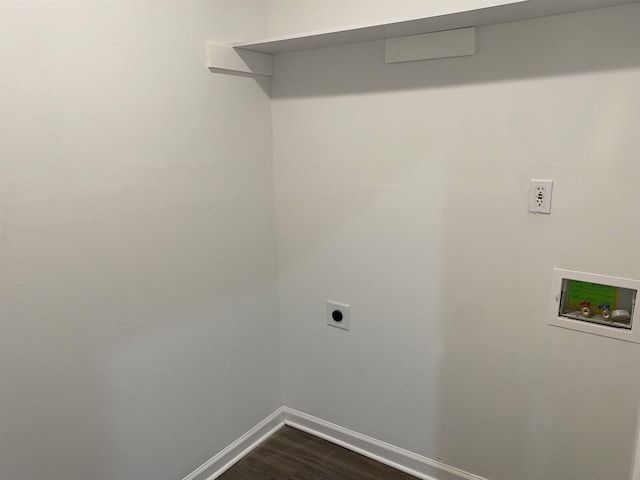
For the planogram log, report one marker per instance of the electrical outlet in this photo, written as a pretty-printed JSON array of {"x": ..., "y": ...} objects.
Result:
[
  {"x": 540, "y": 196},
  {"x": 338, "y": 315}
]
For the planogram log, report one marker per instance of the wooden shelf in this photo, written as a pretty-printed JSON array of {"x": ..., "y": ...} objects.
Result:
[{"x": 490, "y": 12}]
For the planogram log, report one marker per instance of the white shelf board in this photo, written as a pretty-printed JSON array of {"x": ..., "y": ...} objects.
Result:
[{"x": 490, "y": 12}]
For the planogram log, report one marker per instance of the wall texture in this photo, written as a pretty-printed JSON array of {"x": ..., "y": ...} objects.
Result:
[
  {"x": 402, "y": 190},
  {"x": 138, "y": 322}
]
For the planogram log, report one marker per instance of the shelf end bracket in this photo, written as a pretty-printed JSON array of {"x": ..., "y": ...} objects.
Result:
[{"x": 225, "y": 57}]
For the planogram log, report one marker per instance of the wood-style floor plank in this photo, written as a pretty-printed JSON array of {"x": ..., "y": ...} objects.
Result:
[{"x": 291, "y": 454}]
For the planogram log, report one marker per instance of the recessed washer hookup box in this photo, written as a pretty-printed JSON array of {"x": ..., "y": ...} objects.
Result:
[{"x": 597, "y": 304}]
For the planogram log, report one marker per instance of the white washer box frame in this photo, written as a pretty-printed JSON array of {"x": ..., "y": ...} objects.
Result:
[{"x": 628, "y": 335}]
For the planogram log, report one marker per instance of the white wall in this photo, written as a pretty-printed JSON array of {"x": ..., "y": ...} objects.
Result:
[
  {"x": 138, "y": 328},
  {"x": 138, "y": 312},
  {"x": 402, "y": 190},
  {"x": 295, "y": 16}
]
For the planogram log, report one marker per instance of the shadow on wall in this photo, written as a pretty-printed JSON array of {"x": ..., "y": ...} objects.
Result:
[
  {"x": 588, "y": 42},
  {"x": 412, "y": 205},
  {"x": 264, "y": 82}
]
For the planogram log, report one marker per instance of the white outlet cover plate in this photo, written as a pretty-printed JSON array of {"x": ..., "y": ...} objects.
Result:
[
  {"x": 344, "y": 324},
  {"x": 540, "y": 204}
]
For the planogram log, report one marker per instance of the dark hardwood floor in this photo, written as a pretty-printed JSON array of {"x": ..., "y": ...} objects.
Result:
[{"x": 291, "y": 454}]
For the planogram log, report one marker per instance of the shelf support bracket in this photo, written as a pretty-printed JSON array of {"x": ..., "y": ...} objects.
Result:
[{"x": 225, "y": 57}]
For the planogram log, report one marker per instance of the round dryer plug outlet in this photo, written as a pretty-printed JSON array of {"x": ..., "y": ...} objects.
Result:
[{"x": 338, "y": 315}]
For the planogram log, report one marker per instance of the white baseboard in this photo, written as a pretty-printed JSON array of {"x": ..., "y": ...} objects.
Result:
[
  {"x": 221, "y": 462},
  {"x": 404, "y": 460}
]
